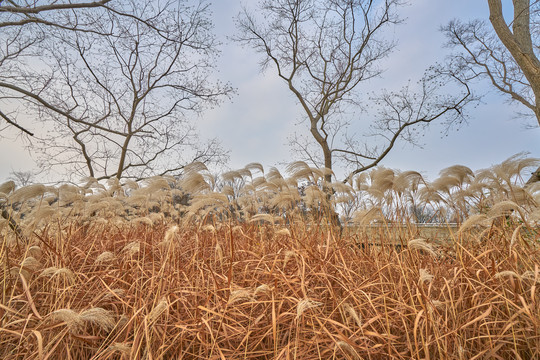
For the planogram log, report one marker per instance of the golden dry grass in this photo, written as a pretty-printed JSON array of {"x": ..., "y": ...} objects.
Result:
[
  {"x": 329, "y": 300},
  {"x": 212, "y": 281}
]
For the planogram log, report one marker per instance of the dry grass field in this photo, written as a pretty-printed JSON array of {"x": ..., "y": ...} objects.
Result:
[{"x": 246, "y": 268}]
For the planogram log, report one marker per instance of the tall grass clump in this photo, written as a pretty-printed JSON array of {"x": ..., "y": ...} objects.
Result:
[{"x": 250, "y": 266}]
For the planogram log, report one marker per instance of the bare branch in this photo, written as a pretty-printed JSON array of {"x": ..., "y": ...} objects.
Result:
[
  {"x": 323, "y": 50},
  {"x": 51, "y": 7},
  {"x": 115, "y": 87},
  {"x": 505, "y": 54},
  {"x": 11, "y": 122}
]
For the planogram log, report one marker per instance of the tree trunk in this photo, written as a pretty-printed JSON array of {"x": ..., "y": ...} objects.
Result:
[
  {"x": 534, "y": 178},
  {"x": 329, "y": 211},
  {"x": 11, "y": 222}
]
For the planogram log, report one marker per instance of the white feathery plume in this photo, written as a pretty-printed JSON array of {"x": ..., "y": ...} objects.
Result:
[
  {"x": 421, "y": 244},
  {"x": 306, "y": 304}
]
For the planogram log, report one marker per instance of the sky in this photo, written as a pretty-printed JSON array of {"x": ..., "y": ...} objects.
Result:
[{"x": 255, "y": 124}]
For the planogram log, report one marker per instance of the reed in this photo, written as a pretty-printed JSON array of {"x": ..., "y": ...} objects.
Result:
[{"x": 267, "y": 280}]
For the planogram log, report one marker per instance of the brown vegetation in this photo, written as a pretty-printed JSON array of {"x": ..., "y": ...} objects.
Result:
[{"x": 102, "y": 277}]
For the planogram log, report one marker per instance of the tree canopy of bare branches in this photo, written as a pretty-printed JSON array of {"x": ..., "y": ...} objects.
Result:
[
  {"x": 323, "y": 51},
  {"x": 503, "y": 53},
  {"x": 115, "y": 85}
]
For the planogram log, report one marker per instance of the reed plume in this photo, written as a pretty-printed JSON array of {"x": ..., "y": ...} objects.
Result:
[
  {"x": 124, "y": 348},
  {"x": 507, "y": 273},
  {"x": 104, "y": 257},
  {"x": 76, "y": 321},
  {"x": 30, "y": 263},
  {"x": 421, "y": 244},
  {"x": 240, "y": 295},
  {"x": 7, "y": 187},
  {"x": 425, "y": 276},
  {"x": 461, "y": 173},
  {"x": 348, "y": 349},
  {"x": 382, "y": 180},
  {"x": 54, "y": 271},
  {"x": 131, "y": 248},
  {"x": 262, "y": 217},
  {"x": 261, "y": 289},
  {"x": 170, "y": 233},
  {"x": 255, "y": 166},
  {"x": 114, "y": 293},
  {"x": 26, "y": 193},
  {"x": 306, "y": 304},
  {"x": 98, "y": 316},
  {"x": 513, "y": 166},
  {"x": 283, "y": 232},
  {"x": 351, "y": 312},
  {"x": 35, "y": 252},
  {"x": 474, "y": 221},
  {"x": 70, "y": 317},
  {"x": 156, "y": 312},
  {"x": 145, "y": 220},
  {"x": 407, "y": 181},
  {"x": 366, "y": 217}
]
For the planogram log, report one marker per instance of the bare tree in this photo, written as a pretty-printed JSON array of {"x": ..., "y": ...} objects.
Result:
[
  {"x": 506, "y": 54},
  {"x": 323, "y": 51},
  {"x": 118, "y": 87},
  {"x": 24, "y": 26},
  {"x": 22, "y": 178}
]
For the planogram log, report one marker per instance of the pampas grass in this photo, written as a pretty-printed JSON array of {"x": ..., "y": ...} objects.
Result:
[
  {"x": 473, "y": 221},
  {"x": 26, "y": 193},
  {"x": 7, "y": 187},
  {"x": 304, "y": 305},
  {"x": 131, "y": 248},
  {"x": 159, "y": 309},
  {"x": 76, "y": 321},
  {"x": 421, "y": 244},
  {"x": 270, "y": 291},
  {"x": 35, "y": 252},
  {"x": 240, "y": 295},
  {"x": 352, "y": 313},
  {"x": 104, "y": 257},
  {"x": 249, "y": 271},
  {"x": 54, "y": 271},
  {"x": 425, "y": 276}
]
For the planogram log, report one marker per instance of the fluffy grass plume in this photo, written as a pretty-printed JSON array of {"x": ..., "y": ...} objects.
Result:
[
  {"x": 421, "y": 244},
  {"x": 98, "y": 285},
  {"x": 104, "y": 257},
  {"x": 76, "y": 321},
  {"x": 53, "y": 271},
  {"x": 425, "y": 276},
  {"x": 474, "y": 221},
  {"x": 304, "y": 305},
  {"x": 26, "y": 193},
  {"x": 7, "y": 187}
]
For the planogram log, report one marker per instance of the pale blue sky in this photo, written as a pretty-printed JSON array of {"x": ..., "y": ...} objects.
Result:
[{"x": 255, "y": 125}]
